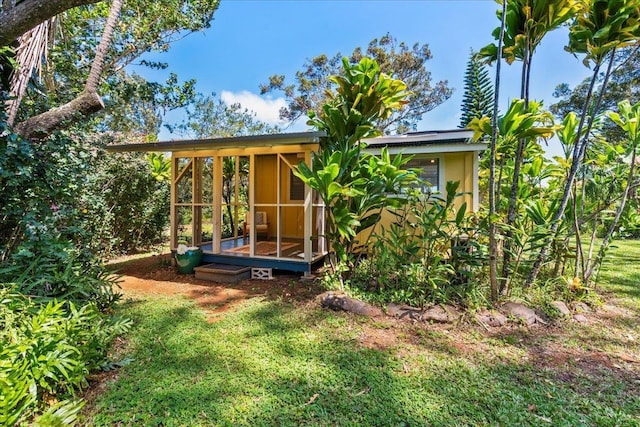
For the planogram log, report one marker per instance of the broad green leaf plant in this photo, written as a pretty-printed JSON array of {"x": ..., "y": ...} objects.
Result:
[
  {"x": 627, "y": 119},
  {"x": 600, "y": 28},
  {"x": 356, "y": 186}
]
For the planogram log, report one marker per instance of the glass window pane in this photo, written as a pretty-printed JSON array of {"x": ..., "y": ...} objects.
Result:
[{"x": 430, "y": 172}]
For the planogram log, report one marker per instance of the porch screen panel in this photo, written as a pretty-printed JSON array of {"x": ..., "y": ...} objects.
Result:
[
  {"x": 265, "y": 208},
  {"x": 206, "y": 228},
  {"x": 318, "y": 242},
  {"x": 184, "y": 223},
  {"x": 193, "y": 200},
  {"x": 291, "y": 198},
  {"x": 184, "y": 184},
  {"x": 280, "y": 197},
  {"x": 207, "y": 181},
  {"x": 241, "y": 195},
  {"x": 235, "y": 191}
]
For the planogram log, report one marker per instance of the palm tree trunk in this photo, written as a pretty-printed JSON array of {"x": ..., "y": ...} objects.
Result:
[
  {"x": 493, "y": 243},
  {"x": 101, "y": 52},
  {"x": 614, "y": 224},
  {"x": 578, "y": 153}
]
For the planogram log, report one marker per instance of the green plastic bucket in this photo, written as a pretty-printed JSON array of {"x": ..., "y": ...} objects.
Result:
[{"x": 188, "y": 260}]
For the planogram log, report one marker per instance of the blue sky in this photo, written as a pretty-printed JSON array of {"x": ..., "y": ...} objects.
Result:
[{"x": 249, "y": 40}]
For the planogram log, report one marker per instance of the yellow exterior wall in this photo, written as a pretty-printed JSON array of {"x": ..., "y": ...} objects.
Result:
[
  {"x": 453, "y": 167},
  {"x": 459, "y": 167}
]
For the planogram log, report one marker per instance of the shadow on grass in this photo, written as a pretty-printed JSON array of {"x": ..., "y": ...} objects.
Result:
[
  {"x": 624, "y": 284},
  {"x": 620, "y": 271},
  {"x": 271, "y": 363}
]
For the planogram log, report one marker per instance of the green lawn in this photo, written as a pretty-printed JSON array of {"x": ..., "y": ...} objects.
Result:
[{"x": 274, "y": 363}]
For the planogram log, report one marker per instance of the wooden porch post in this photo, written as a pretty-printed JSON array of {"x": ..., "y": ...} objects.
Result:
[
  {"x": 308, "y": 216},
  {"x": 252, "y": 201},
  {"x": 217, "y": 204},
  {"x": 172, "y": 210}
]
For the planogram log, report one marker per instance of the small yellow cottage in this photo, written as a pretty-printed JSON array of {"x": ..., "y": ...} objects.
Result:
[{"x": 239, "y": 201}]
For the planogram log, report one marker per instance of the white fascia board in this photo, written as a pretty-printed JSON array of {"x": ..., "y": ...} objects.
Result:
[
  {"x": 417, "y": 138},
  {"x": 430, "y": 148}
]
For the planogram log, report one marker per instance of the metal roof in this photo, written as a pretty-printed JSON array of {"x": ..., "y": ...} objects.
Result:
[
  {"x": 454, "y": 136},
  {"x": 219, "y": 143},
  {"x": 460, "y": 137}
]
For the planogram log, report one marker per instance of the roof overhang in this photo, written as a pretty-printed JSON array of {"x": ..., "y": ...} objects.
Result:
[
  {"x": 269, "y": 140},
  {"x": 429, "y": 149},
  {"x": 442, "y": 141},
  {"x": 431, "y": 142}
]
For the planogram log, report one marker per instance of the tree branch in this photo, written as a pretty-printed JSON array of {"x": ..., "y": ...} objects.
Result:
[
  {"x": 25, "y": 15},
  {"x": 6, "y": 5},
  {"x": 44, "y": 124},
  {"x": 87, "y": 103}
]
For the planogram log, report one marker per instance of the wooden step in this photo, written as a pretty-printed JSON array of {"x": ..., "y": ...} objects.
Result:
[{"x": 223, "y": 273}]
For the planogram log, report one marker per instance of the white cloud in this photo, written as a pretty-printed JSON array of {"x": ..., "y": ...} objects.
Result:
[{"x": 266, "y": 109}]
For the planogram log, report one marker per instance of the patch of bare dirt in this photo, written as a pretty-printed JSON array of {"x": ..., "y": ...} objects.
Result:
[
  {"x": 382, "y": 336},
  {"x": 585, "y": 371},
  {"x": 154, "y": 275}
]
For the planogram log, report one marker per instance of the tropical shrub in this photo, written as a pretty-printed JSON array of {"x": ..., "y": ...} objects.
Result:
[
  {"x": 44, "y": 243},
  {"x": 49, "y": 268},
  {"x": 354, "y": 184},
  {"x": 46, "y": 353},
  {"x": 429, "y": 254},
  {"x": 127, "y": 199}
]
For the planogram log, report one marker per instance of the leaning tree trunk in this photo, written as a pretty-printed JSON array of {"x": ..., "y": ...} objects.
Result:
[
  {"x": 493, "y": 242},
  {"x": 17, "y": 20},
  {"x": 614, "y": 224},
  {"x": 578, "y": 154},
  {"x": 42, "y": 125},
  {"x": 87, "y": 103}
]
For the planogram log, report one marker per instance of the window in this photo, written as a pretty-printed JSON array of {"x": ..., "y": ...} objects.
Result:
[{"x": 429, "y": 172}]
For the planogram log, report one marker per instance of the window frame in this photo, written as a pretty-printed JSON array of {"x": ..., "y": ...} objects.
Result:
[{"x": 440, "y": 171}]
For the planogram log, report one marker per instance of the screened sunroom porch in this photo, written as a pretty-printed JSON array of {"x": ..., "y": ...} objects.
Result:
[{"x": 239, "y": 201}]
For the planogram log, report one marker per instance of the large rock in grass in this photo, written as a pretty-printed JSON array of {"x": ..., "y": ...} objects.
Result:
[
  {"x": 561, "y": 307},
  {"x": 521, "y": 312},
  {"x": 580, "y": 307},
  {"x": 403, "y": 311},
  {"x": 580, "y": 318},
  {"x": 441, "y": 314},
  {"x": 339, "y": 301},
  {"x": 491, "y": 318}
]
